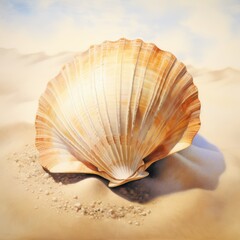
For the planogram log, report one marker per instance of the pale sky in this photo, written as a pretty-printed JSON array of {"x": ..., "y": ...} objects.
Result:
[{"x": 202, "y": 33}]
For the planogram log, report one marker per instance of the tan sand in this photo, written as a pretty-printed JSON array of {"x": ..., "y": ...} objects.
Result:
[{"x": 194, "y": 194}]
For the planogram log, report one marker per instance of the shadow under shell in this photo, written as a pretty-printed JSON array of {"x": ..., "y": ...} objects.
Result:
[{"x": 198, "y": 166}]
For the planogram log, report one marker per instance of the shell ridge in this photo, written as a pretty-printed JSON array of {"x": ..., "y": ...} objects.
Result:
[
  {"x": 166, "y": 82},
  {"x": 54, "y": 133},
  {"x": 122, "y": 159},
  {"x": 68, "y": 88},
  {"x": 108, "y": 129},
  {"x": 157, "y": 96},
  {"x": 130, "y": 133},
  {"x": 79, "y": 116},
  {"x": 100, "y": 164},
  {"x": 82, "y": 123},
  {"x": 60, "y": 120},
  {"x": 98, "y": 106},
  {"x": 138, "y": 92},
  {"x": 118, "y": 147},
  {"x": 79, "y": 96},
  {"x": 150, "y": 100},
  {"x": 135, "y": 151},
  {"x": 128, "y": 126},
  {"x": 171, "y": 112},
  {"x": 128, "y": 115},
  {"x": 76, "y": 109},
  {"x": 194, "y": 116},
  {"x": 137, "y": 102},
  {"x": 73, "y": 130},
  {"x": 112, "y": 146},
  {"x": 176, "y": 110},
  {"x": 118, "y": 105},
  {"x": 59, "y": 103},
  {"x": 64, "y": 139},
  {"x": 174, "y": 149},
  {"x": 107, "y": 154},
  {"x": 160, "y": 106},
  {"x": 147, "y": 119},
  {"x": 125, "y": 82}
]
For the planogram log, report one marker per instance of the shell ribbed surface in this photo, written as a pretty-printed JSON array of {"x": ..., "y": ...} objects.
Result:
[{"x": 116, "y": 109}]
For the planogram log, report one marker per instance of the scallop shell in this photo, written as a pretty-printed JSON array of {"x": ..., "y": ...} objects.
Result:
[{"x": 116, "y": 109}]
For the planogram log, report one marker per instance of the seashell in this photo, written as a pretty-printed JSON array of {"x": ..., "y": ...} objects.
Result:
[{"x": 116, "y": 109}]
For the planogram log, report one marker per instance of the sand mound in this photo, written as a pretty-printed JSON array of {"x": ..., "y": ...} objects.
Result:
[{"x": 51, "y": 189}]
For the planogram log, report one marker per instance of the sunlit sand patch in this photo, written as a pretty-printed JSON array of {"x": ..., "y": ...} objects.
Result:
[{"x": 50, "y": 190}]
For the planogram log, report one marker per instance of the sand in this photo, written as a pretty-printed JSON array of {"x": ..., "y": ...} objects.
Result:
[{"x": 193, "y": 194}]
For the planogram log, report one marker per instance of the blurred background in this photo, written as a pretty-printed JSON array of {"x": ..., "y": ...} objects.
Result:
[{"x": 200, "y": 33}]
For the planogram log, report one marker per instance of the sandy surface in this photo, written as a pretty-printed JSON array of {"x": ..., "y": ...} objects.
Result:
[{"x": 194, "y": 194}]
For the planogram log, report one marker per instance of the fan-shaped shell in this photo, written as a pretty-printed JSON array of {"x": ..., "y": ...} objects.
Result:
[{"x": 116, "y": 109}]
